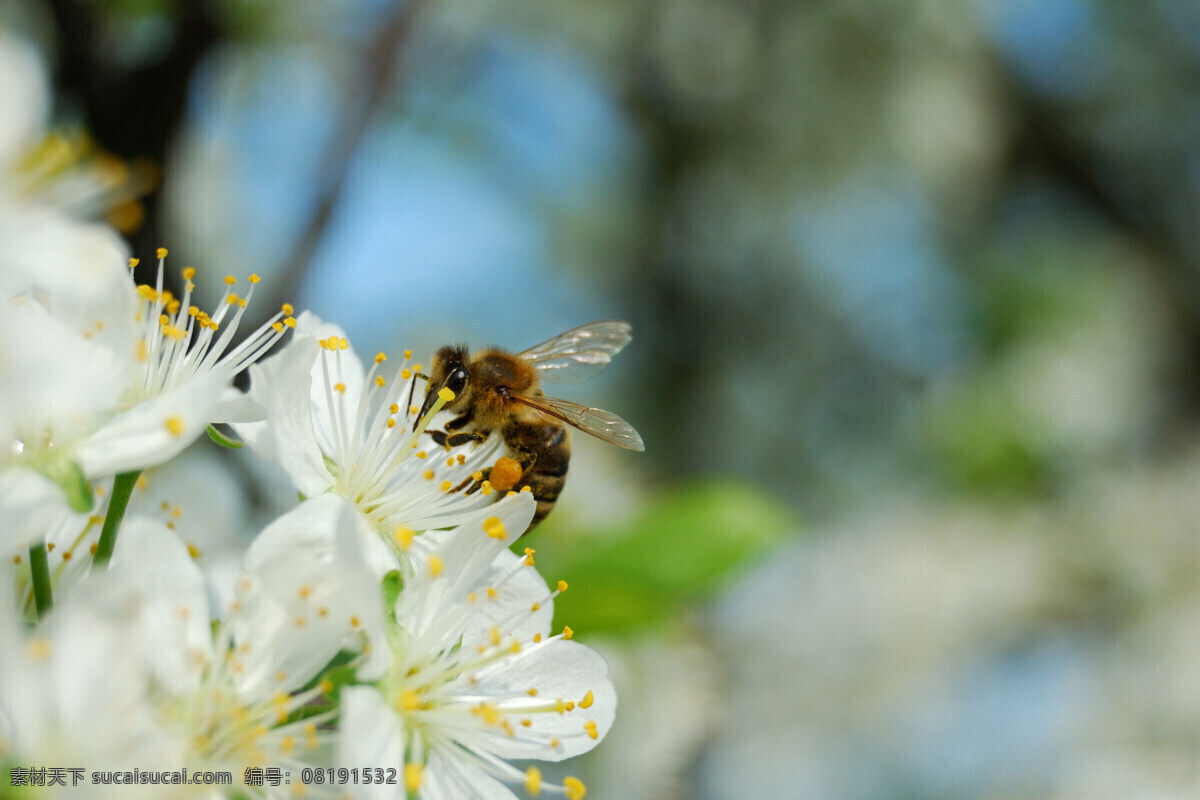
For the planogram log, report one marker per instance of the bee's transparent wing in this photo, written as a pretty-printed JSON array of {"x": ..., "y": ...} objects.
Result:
[
  {"x": 579, "y": 353},
  {"x": 598, "y": 422}
]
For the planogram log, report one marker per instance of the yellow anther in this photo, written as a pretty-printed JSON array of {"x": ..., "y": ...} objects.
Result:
[
  {"x": 161, "y": 252},
  {"x": 326, "y": 687},
  {"x": 533, "y": 781},
  {"x": 526, "y": 489},
  {"x": 472, "y": 597},
  {"x": 445, "y": 394},
  {"x": 405, "y": 374},
  {"x": 491, "y": 592},
  {"x": 428, "y": 474},
  {"x": 446, "y": 486},
  {"x": 280, "y": 677},
  {"x": 133, "y": 262},
  {"x": 174, "y": 426},
  {"x": 535, "y": 607},
  {"x": 193, "y": 551},
  {"x": 587, "y": 700},
  {"x": 290, "y": 322},
  {"x": 408, "y": 353},
  {"x": 412, "y": 776},
  {"x": 410, "y": 700},
  {"x": 590, "y": 727},
  {"x": 304, "y": 592},
  {"x": 403, "y": 536},
  {"x": 254, "y": 277},
  {"x": 39, "y": 649},
  {"x": 526, "y": 722},
  {"x": 495, "y": 635},
  {"x": 230, "y": 280},
  {"x": 575, "y": 788},
  {"x": 277, "y": 327},
  {"x": 420, "y": 453},
  {"x": 461, "y": 458},
  {"x": 391, "y": 423},
  {"x": 567, "y": 632},
  {"x": 287, "y": 309},
  {"x": 435, "y": 566},
  {"x": 532, "y": 692},
  {"x": 355, "y": 623},
  {"x": 343, "y": 343},
  {"x": 340, "y": 388},
  {"x": 562, "y": 586},
  {"x": 494, "y": 528},
  {"x": 380, "y": 358}
]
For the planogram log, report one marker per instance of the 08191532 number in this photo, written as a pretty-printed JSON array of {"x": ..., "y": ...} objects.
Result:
[{"x": 342, "y": 775}]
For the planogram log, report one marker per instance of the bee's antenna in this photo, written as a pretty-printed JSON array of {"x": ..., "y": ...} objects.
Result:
[{"x": 411, "y": 390}]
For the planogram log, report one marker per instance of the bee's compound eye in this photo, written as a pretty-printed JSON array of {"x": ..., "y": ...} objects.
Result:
[{"x": 457, "y": 381}]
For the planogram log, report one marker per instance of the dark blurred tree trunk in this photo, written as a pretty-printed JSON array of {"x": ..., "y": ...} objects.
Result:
[{"x": 133, "y": 113}]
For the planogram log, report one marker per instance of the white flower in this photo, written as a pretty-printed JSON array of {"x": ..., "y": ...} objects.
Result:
[
  {"x": 102, "y": 377},
  {"x": 74, "y": 694},
  {"x": 185, "y": 364},
  {"x": 232, "y": 695},
  {"x": 471, "y": 676},
  {"x": 337, "y": 427}
]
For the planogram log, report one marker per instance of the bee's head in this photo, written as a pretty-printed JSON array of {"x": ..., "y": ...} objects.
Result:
[{"x": 450, "y": 371}]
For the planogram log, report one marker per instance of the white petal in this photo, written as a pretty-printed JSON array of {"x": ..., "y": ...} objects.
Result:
[
  {"x": 450, "y": 776},
  {"x": 466, "y": 554},
  {"x": 295, "y": 614},
  {"x": 559, "y": 669},
  {"x": 370, "y": 735},
  {"x": 173, "y": 619},
  {"x": 155, "y": 431},
  {"x": 24, "y": 99},
  {"x": 280, "y": 385},
  {"x": 30, "y": 505},
  {"x": 78, "y": 271},
  {"x": 342, "y": 367},
  {"x": 513, "y": 599},
  {"x": 55, "y": 381}
]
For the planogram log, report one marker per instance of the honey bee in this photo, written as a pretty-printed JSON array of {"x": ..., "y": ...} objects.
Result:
[{"x": 495, "y": 390}]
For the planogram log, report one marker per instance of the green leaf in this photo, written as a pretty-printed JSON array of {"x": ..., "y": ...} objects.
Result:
[
  {"x": 681, "y": 549},
  {"x": 222, "y": 439}
]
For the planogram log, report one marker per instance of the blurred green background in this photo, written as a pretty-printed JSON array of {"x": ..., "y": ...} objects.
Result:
[{"x": 916, "y": 296}]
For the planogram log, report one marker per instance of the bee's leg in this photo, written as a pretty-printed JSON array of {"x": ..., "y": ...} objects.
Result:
[
  {"x": 439, "y": 437},
  {"x": 459, "y": 422},
  {"x": 471, "y": 482},
  {"x": 459, "y": 439}
]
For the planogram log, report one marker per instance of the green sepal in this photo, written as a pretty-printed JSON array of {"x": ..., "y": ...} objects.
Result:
[
  {"x": 223, "y": 440},
  {"x": 69, "y": 476},
  {"x": 393, "y": 584}
]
